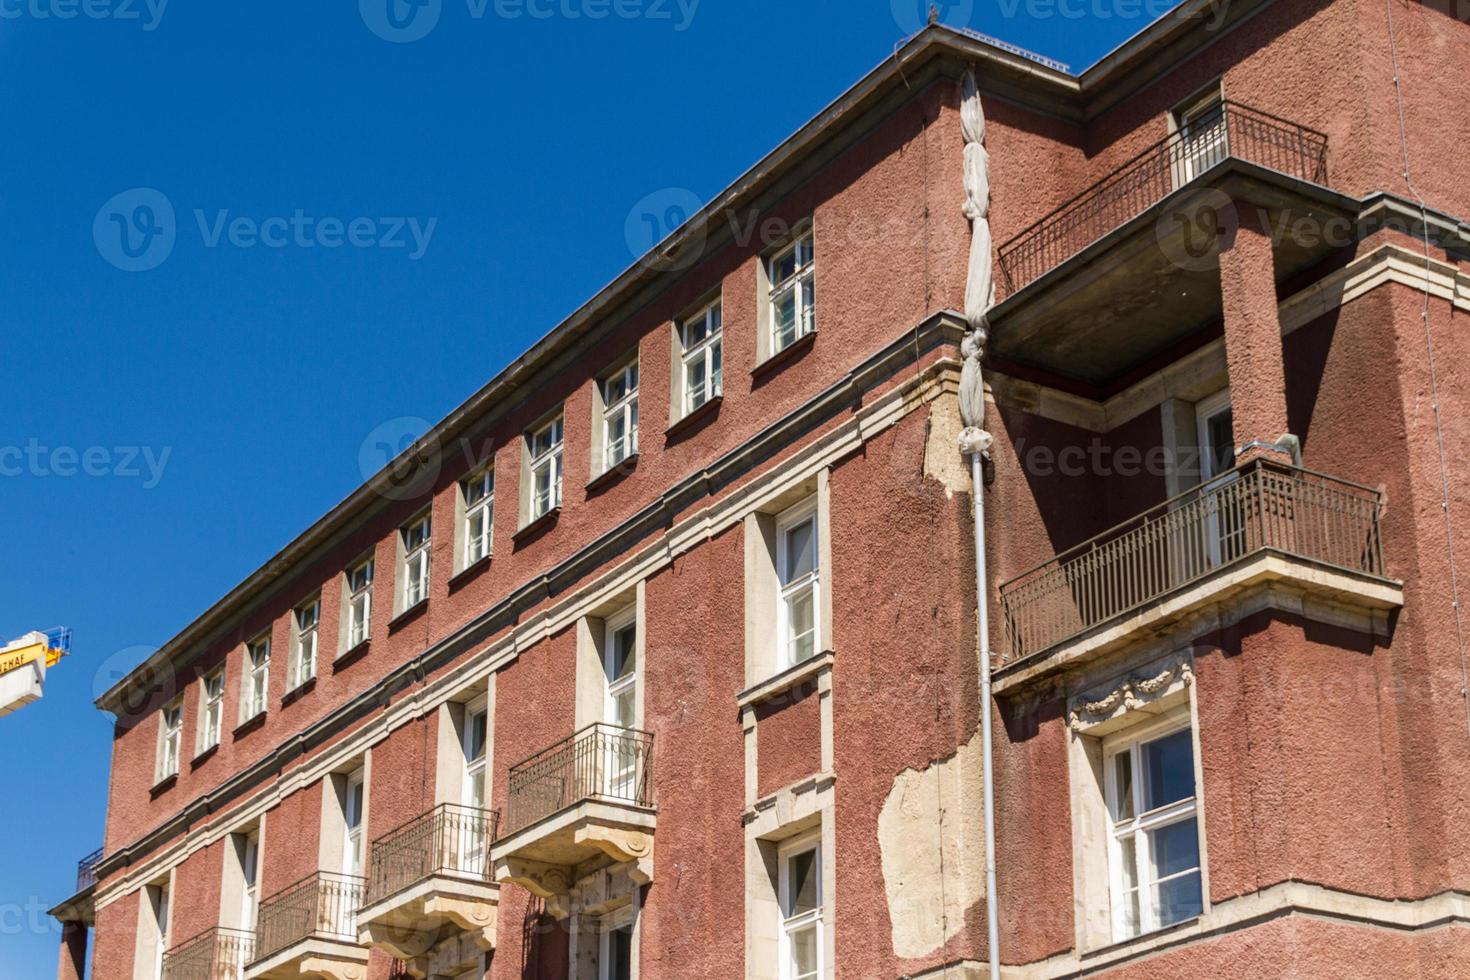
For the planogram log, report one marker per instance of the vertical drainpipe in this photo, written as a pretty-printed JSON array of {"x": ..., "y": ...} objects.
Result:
[{"x": 975, "y": 442}]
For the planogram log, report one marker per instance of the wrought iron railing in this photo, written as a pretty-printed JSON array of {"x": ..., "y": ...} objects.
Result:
[
  {"x": 601, "y": 762},
  {"x": 218, "y": 954},
  {"x": 1259, "y": 506},
  {"x": 87, "y": 870},
  {"x": 1233, "y": 131},
  {"x": 322, "y": 906},
  {"x": 448, "y": 840}
]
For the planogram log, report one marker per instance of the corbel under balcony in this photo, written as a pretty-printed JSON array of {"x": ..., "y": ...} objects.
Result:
[
  {"x": 428, "y": 883},
  {"x": 581, "y": 813},
  {"x": 1263, "y": 535}
]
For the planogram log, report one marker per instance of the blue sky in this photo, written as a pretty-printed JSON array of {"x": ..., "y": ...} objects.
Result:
[{"x": 364, "y": 231}]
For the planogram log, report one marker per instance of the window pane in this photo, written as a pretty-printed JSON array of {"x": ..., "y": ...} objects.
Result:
[
  {"x": 716, "y": 352},
  {"x": 625, "y": 712},
  {"x": 801, "y": 554},
  {"x": 1178, "y": 899},
  {"x": 1126, "y": 903},
  {"x": 1169, "y": 769},
  {"x": 801, "y": 611},
  {"x": 1174, "y": 848},
  {"x": 785, "y": 313},
  {"x": 620, "y": 953},
  {"x": 804, "y": 953},
  {"x": 1123, "y": 785},
  {"x": 801, "y": 883},
  {"x": 622, "y": 655},
  {"x": 783, "y": 266}
]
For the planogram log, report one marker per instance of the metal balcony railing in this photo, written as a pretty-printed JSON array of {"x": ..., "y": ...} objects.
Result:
[
  {"x": 601, "y": 762},
  {"x": 218, "y": 954},
  {"x": 448, "y": 840},
  {"x": 322, "y": 906},
  {"x": 87, "y": 870},
  {"x": 1259, "y": 506},
  {"x": 1233, "y": 130}
]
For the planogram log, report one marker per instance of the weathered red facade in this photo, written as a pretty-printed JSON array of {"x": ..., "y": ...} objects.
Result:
[{"x": 1326, "y": 702}]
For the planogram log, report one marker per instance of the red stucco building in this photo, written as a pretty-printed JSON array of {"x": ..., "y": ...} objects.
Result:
[{"x": 658, "y": 658}]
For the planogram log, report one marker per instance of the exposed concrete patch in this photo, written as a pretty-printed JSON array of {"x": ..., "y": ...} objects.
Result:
[
  {"x": 942, "y": 459},
  {"x": 932, "y": 843}
]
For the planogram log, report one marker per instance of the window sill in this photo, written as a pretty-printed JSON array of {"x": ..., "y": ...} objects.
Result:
[
  {"x": 203, "y": 756},
  {"x": 249, "y": 724},
  {"x": 612, "y": 474},
  {"x": 694, "y": 419},
  {"x": 163, "y": 785},
  {"x": 469, "y": 572},
  {"x": 351, "y": 653},
  {"x": 407, "y": 616},
  {"x": 791, "y": 678},
  {"x": 536, "y": 527},
  {"x": 298, "y": 692},
  {"x": 783, "y": 357}
]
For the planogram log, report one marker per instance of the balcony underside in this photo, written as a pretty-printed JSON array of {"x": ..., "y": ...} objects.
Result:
[
  {"x": 1144, "y": 288},
  {"x": 413, "y": 921},
  {"x": 312, "y": 957},
  {"x": 1267, "y": 574},
  {"x": 549, "y": 857}
]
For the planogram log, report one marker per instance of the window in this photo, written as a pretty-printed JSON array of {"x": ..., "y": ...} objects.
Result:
[
  {"x": 211, "y": 709},
  {"x": 620, "y": 415},
  {"x": 620, "y": 667},
  {"x": 701, "y": 378},
  {"x": 159, "y": 897},
  {"x": 545, "y": 446},
  {"x": 250, "y": 880},
  {"x": 479, "y": 510},
  {"x": 256, "y": 685},
  {"x": 352, "y": 813},
  {"x": 801, "y": 911},
  {"x": 1204, "y": 138},
  {"x": 793, "y": 293},
  {"x": 797, "y": 570},
  {"x": 416, "y": 540},
  {"x": 1154, "y": 854},
  {"x": 359, "y": 603},
  {"x": 615, "y": 954},
  {"x": 171, "y": 728},
  {"x": 307, "y": 619},
  {"x": 473, "y": 831}
]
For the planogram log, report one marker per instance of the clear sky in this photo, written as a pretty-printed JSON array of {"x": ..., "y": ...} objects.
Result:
[{"x": 181, "y": 398}]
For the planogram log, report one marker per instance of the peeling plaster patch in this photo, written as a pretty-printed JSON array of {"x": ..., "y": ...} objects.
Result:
[
  {"x": 931, "y": 838},
  {"x": 942, "y": 458}
]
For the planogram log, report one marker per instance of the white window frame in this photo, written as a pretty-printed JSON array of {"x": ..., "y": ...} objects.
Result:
[
  {"x": 250, "y": 880},
  {"x": 354, "y": 857},
  {"x": 624, "y": 408},
  {"x": 170, "y": 739},
  {"x": 1201, "y": 147},
  {"x": 211, "y": 710},
  {"x": 477, "y": 547},
  {"x": 1143, "y": 821},
  {"x": 789, "y": 591},
  {"x": 160, "y": 921},
  {"x": 306, "y": 623},
  {"x": 360, "y": 602},
  {"x": 604, "y": 950},
  {"x": 801, "y": 282},
  {"x": 256, "y": 683},
  {"x": 615, "y": 689},
  {"x": 708, "y": 351},
  {"x": 550, "y": 460},
  {"x": 418, "y": 541},
  {"x": 813, "y": 919}
]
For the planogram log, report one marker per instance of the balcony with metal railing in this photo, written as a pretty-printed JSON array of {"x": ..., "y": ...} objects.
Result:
[
  {"x": 309, "y": 928},
  {"x": 216, "y": 954},
  {"x": 585, "y": 799},
  {"x": 428, "y": 873},
  {"x": 1260, "y": 523},
  {"x": 87, "y": 870}
]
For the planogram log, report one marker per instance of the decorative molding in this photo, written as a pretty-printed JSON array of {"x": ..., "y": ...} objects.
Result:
[{"x": 1132, "y": 693}]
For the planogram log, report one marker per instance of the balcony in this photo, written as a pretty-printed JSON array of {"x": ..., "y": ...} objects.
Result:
[
  {"x": 309, "y": 929},
  {"x": 1259, "y": 523},
  {"x": 87, "y": 870},
  {"x": 1124, "y": 270},
  {"x": 428, "y": 880},
  {"x": 578, "y": 807},
  {"x": 218, "y": 954}
]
